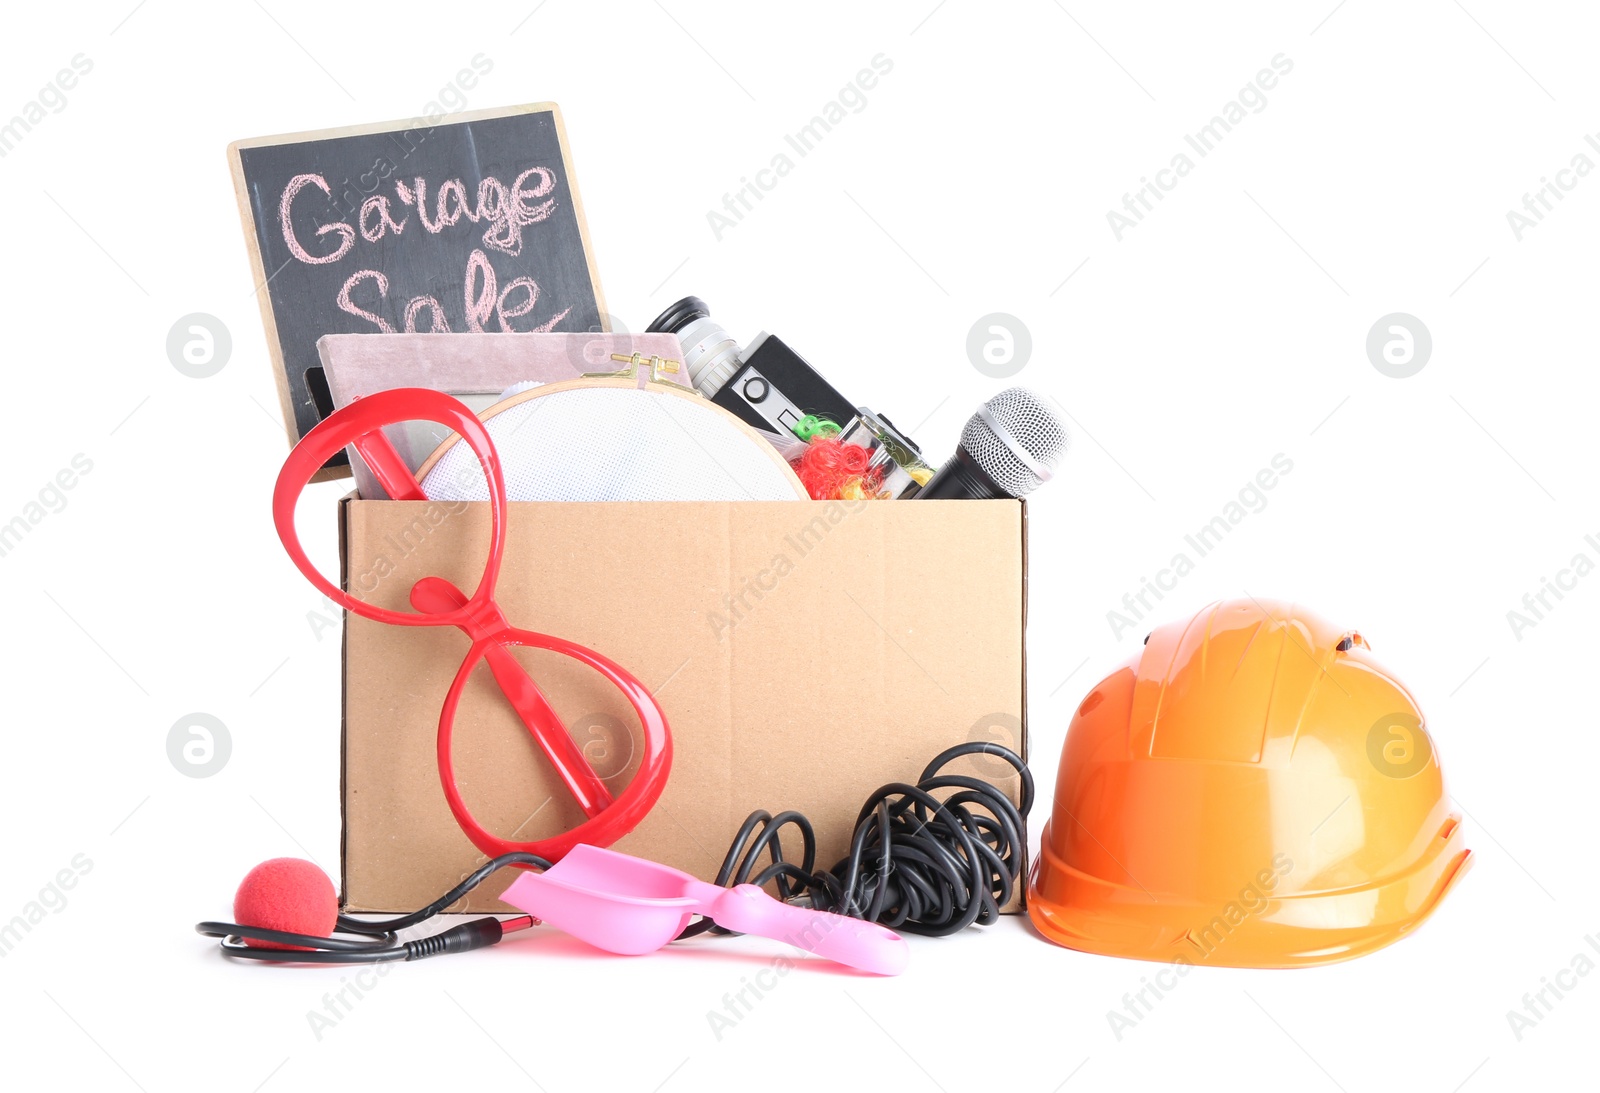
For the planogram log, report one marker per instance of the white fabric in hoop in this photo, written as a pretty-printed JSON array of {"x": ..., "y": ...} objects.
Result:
[{"x": 617, "y": 444}]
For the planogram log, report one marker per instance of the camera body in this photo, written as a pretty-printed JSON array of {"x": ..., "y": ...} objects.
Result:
[
  {"x": 771, "y": 388},
  {"x": 776, "y": 388},
  {"x": 767, "y": 385}
]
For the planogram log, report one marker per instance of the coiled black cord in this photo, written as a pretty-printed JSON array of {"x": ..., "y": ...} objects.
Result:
[{"x": 916, "y": 864}]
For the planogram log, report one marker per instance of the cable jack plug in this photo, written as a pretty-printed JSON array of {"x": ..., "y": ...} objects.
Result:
[{"x": 477, "y": 934}]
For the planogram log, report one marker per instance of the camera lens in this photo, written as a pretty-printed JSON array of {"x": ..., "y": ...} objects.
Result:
[{"x": 709, "y": 353}]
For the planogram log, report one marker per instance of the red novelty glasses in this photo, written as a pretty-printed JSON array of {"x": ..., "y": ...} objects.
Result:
[{"x": 440, "y": 603}]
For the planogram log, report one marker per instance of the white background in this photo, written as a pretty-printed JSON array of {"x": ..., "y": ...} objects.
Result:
[{"x": 1227, "y": 327}]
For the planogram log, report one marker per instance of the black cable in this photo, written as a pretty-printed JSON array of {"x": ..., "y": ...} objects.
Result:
[
  {"x": 916, "y": 864},
  {"x": 376, "y": 940}
]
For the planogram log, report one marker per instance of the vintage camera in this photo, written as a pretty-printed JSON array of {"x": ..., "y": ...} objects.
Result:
[
  {"x": 768, "y": 385},
  {"x": 771, "y": 387}
]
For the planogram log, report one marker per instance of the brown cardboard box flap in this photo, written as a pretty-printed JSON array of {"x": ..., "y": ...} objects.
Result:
[{"x": 805, "y": 653}]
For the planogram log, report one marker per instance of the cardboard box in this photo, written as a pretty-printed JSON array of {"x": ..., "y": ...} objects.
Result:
[{"x": 805, "y": 653}]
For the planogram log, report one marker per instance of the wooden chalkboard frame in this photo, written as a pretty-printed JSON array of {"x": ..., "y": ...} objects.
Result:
[{"x": 258, "y": 270}]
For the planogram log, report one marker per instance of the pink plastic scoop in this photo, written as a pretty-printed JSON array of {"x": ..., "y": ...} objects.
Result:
[{"x": 627, "y": 905}]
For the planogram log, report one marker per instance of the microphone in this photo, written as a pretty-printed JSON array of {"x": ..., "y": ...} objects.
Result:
[{"x": 1007, "y": 449}]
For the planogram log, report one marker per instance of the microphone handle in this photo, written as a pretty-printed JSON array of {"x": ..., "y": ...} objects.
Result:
[{"x": 961, "y": 479}]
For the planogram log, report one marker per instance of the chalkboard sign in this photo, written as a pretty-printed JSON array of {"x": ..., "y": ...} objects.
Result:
[{"x": 470, "y": 225}]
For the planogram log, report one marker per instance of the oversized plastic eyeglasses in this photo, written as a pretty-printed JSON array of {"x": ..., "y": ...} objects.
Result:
[{"x": 440, "y": 603}]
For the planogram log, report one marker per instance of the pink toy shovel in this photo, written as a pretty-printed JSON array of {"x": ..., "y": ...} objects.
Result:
[{"x": 627, "y": 905}]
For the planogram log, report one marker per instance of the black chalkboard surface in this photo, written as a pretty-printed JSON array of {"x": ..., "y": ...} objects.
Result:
[{"x": 424, "y": 226}]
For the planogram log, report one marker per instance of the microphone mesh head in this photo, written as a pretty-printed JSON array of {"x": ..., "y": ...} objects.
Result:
[{"x": 1032, "y": 425}]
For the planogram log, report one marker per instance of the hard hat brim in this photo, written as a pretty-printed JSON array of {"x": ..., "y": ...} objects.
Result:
[{"x": 1302, "y": 929}]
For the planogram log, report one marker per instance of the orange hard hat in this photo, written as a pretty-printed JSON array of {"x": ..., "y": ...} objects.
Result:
[{"x": 1252, "y": 790}]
